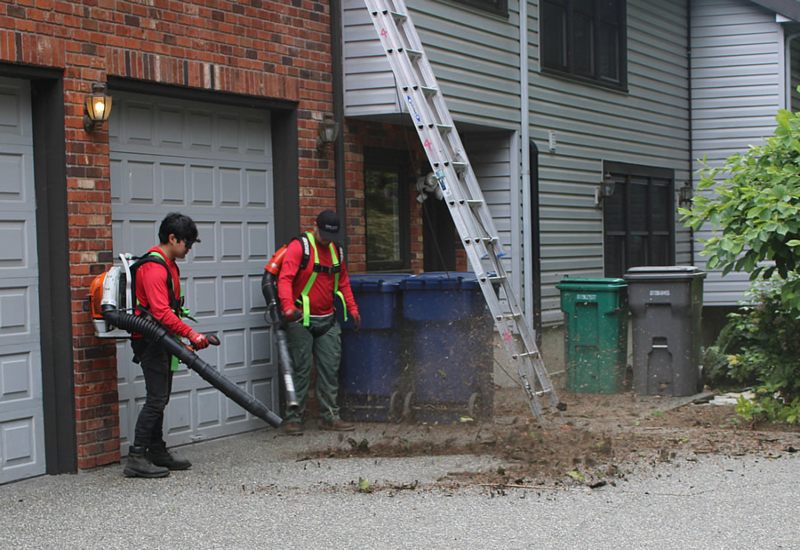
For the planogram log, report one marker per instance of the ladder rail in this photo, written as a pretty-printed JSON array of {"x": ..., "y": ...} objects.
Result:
[{"x": 473, "y": 221}]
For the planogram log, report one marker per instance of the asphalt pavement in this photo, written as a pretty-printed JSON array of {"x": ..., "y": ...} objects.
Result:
[{"x": 261, "y": 490}]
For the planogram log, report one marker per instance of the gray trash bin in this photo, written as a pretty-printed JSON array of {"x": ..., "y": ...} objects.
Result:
[{"x": 666, "y": 304}]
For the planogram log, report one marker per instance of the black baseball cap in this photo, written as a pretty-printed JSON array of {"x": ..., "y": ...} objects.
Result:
[{"x": 328, "y": 225}]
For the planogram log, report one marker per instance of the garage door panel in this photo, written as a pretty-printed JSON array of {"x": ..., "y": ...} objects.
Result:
[
  {"x": 255, "y": 298},
  {"x": 257, "y": 187},
  {"x": 233, "y": 293},
  {"x": 173, "y": 183},
  {"x": 14, "y": 251},
  {"x": 17, "y": 377},
  {"x": 14, "y": 172},
  {"x": 214, "y": 164}
]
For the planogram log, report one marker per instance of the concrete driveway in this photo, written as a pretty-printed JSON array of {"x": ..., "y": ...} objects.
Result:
[{"x": 258, "y": 490}]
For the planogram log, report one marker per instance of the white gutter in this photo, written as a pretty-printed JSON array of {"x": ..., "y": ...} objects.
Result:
[{"x": 526, "y": 277}]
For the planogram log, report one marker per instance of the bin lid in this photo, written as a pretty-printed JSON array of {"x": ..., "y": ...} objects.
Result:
[
  {"x": 591, "y": 283},
  {"x": 441, "y": 280},
  {"x": 663, "y": 272},
  {"x": 377, "y": 282}
]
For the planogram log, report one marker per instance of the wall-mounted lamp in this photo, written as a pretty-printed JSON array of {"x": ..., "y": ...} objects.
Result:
[
  {"x": 605, "y": 189},
  {"x": 97, "y": 108},
  {"x": 328, "y": 131},
  {"x": 685, "y": 195}
]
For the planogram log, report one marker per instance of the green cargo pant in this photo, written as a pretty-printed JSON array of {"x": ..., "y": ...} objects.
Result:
[{"x": 322, "y": 339}]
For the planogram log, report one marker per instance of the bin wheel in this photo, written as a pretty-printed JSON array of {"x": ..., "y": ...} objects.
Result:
[
  {"x": 407, "y": 405},
  {"x": 472, "y": 405},
  {"x": 394, "y": 406}
]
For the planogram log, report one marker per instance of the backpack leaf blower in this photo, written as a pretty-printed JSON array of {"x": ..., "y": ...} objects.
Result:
[
  {"x": 111, "y": 310},
  {"x": 270, "y": 292}
]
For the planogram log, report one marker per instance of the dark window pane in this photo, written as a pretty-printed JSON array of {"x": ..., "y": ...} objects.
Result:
[
  {"x": 614, "y": 209},
  {"x": 661, "y": 206},
  {"x": 638, "y": 205},
  {"x": 383, "y": 222},
  {"x": 659, "y": 250},
  {"x": 496, "y": 6},
  {"x": 554, "y": 36},
  {"x": 636, "y": 253},
  {"x": 608, "y": 10},
  {"x": 608, "y": 52},
  {"x": 615, "y": 256},
  {"x": 583, "y": 45}
]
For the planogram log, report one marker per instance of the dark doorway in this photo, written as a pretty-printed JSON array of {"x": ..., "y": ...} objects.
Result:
[{"x": 438, "y": 236}]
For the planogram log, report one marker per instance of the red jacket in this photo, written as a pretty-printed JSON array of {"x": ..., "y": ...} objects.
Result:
[
  {"x": 153, "y": 295},
  {"x": 291, "y": 281}
]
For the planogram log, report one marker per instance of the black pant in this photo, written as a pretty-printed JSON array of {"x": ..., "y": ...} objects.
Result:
[{"x": 155, "y": 363}]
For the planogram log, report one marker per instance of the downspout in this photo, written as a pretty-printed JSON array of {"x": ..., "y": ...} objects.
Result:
[
  {"x": 787, "y": 72},
  {"x": 527, "y": 280},
  {"x": 337, "y": 64},
  {"x": 690, "y": 182}
]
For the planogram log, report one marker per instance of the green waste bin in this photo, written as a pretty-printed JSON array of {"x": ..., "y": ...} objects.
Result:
[{"x": 596, "y": 341}]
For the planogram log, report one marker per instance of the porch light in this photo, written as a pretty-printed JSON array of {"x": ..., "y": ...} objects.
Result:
[
  {"x": 605, "y": 189},
  {"x": 328, "y": 131},
  {"x": 685, "y": 195},
  {"x": 97, "y": 107}
]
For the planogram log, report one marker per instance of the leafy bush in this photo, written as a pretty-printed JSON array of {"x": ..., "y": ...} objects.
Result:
[
  {"x": 760, "y": 346},
  {"x": 752, "y": 203}
]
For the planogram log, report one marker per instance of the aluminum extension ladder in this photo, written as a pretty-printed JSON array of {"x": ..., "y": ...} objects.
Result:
[{"x": 419, "y": 91}]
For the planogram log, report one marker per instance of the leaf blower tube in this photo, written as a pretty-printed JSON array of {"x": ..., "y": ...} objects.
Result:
[
  {"x": 270, "y": 290},
  {"x": 159, "y": 335}
]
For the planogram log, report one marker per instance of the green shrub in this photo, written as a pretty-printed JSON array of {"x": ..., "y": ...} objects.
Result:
[{"x": 760, "y": 346}]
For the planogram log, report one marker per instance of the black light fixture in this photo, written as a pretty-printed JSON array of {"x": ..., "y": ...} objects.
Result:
[
  {"x": 605, "y": 189},
  {"x": 97, "y": 107},
  {"x": 685, "y": 195},
  {"x": 608, "y": 185},
  {"x": 328, "y": 131}
]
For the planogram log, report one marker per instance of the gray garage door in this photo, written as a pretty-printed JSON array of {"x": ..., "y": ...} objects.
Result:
[
  {"x": 21, "y": 419},
  {"x": 214, "y": 164}
]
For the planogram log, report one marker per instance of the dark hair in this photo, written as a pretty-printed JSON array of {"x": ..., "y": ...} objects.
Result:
[{"x": 183, "y": 227}]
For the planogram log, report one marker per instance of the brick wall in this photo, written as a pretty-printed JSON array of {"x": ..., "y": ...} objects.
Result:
[{"x": 270, "y": 49}]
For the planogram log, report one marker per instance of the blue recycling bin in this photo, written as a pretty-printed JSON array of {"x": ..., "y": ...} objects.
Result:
[
  {"x": 449, "y": 330},
  {"x": 372, "y": 357}
]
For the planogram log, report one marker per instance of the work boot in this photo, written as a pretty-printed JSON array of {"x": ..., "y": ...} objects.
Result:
[
  {"x": 337, "y": 425},
  {"x": 293, "y": 427},
  {"x": 139, "y": 465},
  {"x": 160, "y": 456}
]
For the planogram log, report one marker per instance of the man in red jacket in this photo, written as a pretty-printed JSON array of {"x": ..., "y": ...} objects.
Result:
[
  {"x": 307, "y": 298},
  {"x": 158, "y": 291}
]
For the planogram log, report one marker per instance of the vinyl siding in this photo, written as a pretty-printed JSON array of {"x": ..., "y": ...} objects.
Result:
[
  {"x": 455, "y": 38},
  {"x": 737, "y": 88},
  {"x": 647, "y": 125}
]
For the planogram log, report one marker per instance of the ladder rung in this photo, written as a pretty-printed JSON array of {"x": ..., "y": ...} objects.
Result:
[
  {"x": 399, "y": 17},
  {"x": 413, "y": 54},
  {"x": 444, "y": 128},
  {"x": 493, "y": 278},
  {"x": 460, "y": 167},
  {"x": 526, "y": 354},
  {"x": 474, "y": 202},
  {"x": 429, "y": 90},
  {"x": 508, "y": 316}
]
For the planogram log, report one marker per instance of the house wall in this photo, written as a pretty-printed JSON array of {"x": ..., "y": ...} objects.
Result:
[
  {"x": 262, "y": 50},
  {"x": 454, "y": 37},
  {"x": 647, "y": 125},
  {"x": 737, "y": 88}
]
